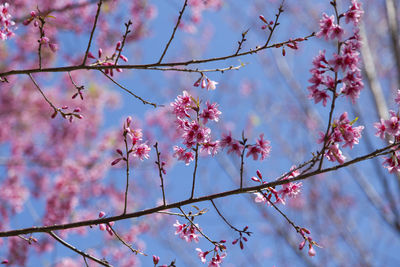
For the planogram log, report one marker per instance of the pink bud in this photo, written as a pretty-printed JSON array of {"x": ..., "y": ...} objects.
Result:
[
  {"x": 311, "y": 251},
  {"x": 241, "y": 244},
  {"x": 75, "y": 95},
  {"x": 259, "y": 174},
  {"x": 53, "y": 47},
  {"x": 54, "y": 114},
  {"x": 203, "y": 83},
  {"x": 124, "y": 58},
  {"x": 102, "y": 227},
  {"x": 35, "y": 23},
  {"x": 118, "y": 45},
  {"x": 302, "y": 244},
  {"x": 263, "y": 19},
  {"x": 306, "y": 230},
  {"x": 101, "y": 214},
  {"x": 245, "y": 239},
  {"x": 100, "y": 52},
  {"x": 77, "y": 110},
  {"x": 90, "y": 55},
  {"x": 26, "y": 22},
  {"x": 235, "y": 241},
  {"x": 128, "y": 120},
  {"x": 119, "y": 151},
  {"x": 156, "y": 259},
  {"x": 33, "y": 14},
  {"x": 119, "y": 70},
  {"x": 115, "y": 161},
  {"x": 263, "y": 27},
  {"x": 255, "y": 179},
  {"x": 4, "y": 262}
]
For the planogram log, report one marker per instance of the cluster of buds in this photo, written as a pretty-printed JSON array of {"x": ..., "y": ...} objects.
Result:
[
  {"x": 109, "y": 60},
  {"x": 311, "y": 243},
  {"x": 67, "y": 115},
  {"x": 205, "y": 82},
  {"x": 137, "y": 148},
  {"x": 107, "y": 226},
  {"x": 267, "y": 24},
  {"x": 39, "y": 21},
  {"x": 241, "y": 237}
]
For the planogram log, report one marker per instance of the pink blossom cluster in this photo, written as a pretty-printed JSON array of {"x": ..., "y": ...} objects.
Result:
[
  {"x": 6, "y": 22},
  {"x": 191, "y": 123},
  {"x": 342, "y": 131},
  {"x": 390, "y": 128},
  {"x": 218, "y": 254},
  {"x": 205, "y": 82},
  {"x": 136, "y": 147},
  {"x": 324, "y": 71},
  {"x": 109, "y": 60},
  {"x": 290, "y": 189},
  {"x": 260, "y": 149},
  {"x": 187, "y": 232}
]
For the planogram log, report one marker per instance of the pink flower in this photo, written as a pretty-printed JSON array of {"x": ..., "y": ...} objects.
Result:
[
  {"x": 210, "y": 113},
  {"x": 211, "y": 85},
  {"x": 141, "y": 151},
  {"x": 326, "y": 25},
  {"x": 355, "y": 12},
  {"x": 181, "y": 154},
  {"x": 311, "y": 251},
  {"x": 392, "y": 126},
  {"x": 202, "y": 255},
  {"x": 264, "y": 146},
  {"x": 253, "y": 151},
  {"x": 392, "y": 162},
  {"x": 380, "y": 126}
]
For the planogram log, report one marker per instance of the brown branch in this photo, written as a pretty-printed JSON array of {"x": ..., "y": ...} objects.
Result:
[
  {"x": 92, "y": 32},
  {"x": 251, "y": 189},
  {"x": 85, "y": 255},
  {"x": 173, "y": 32},
  {"x": 160, "y": 169},
  {"x": 152, "y": 65}
]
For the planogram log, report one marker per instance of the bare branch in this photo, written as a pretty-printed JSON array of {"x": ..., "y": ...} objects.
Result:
[
  {"x": 92, "y": 32},
  {"x": 84, "y": 254},
  {"x": 173, "y": 32}
]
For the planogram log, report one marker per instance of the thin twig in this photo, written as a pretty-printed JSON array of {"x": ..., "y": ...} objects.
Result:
[
  {"x": 196, "y": 158},
  {"x": 84, "y": 254},
  {"x": 173, "y": 32},
  {"x": 145, "y": 102},
  {"x": 223, "y": 218},
  {"x": 127, "y": 31},
  {"x": 136, "y": 251},
  {"x": 127, "y": 175},
  {"x": 92, "y": 32},
  {"x": 160, "y": 168}
]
